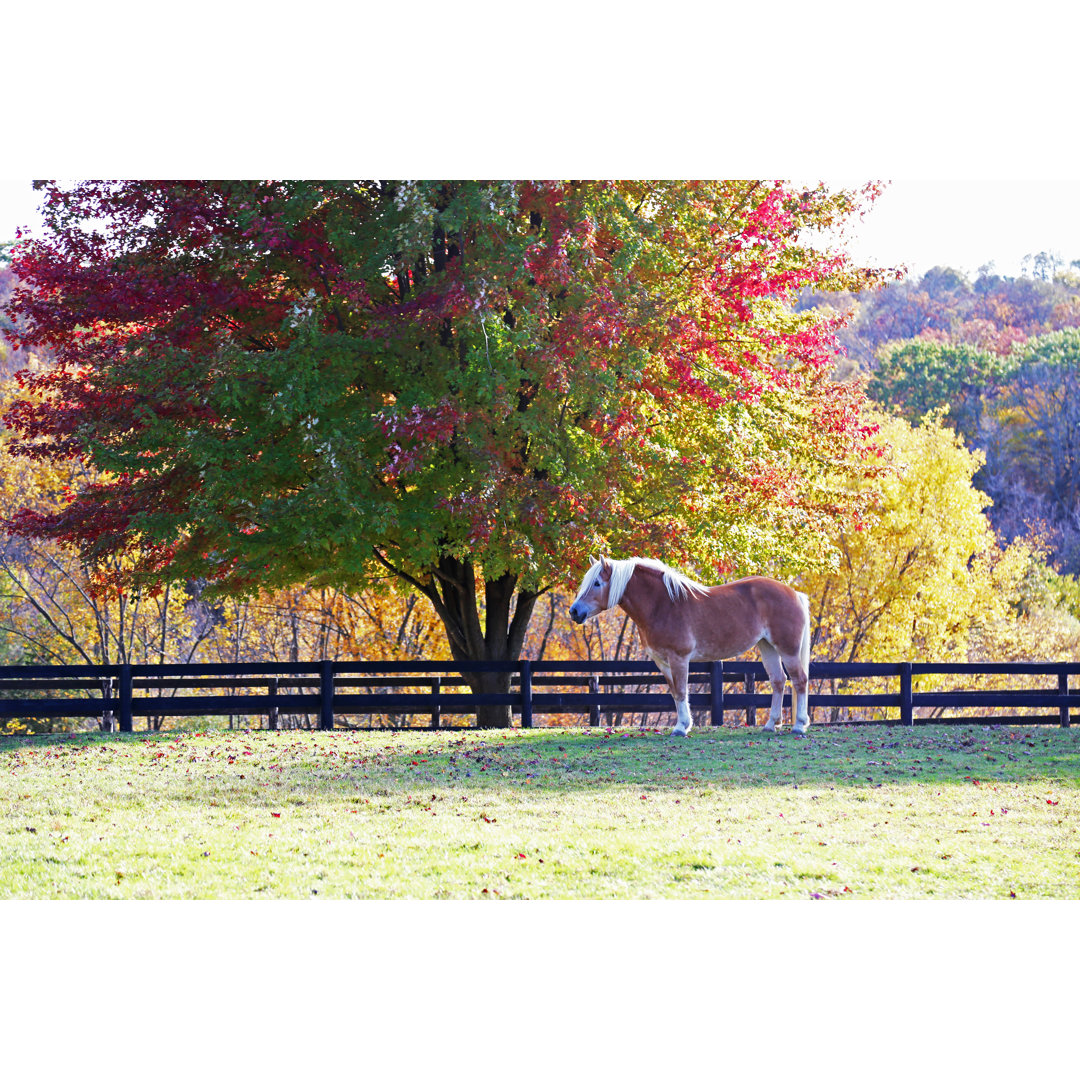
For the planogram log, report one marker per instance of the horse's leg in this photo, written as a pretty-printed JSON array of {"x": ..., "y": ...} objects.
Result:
[
  {"x": 670, "y": 667},
  {"x": 676, "y": 674},
  {"x": 800, "y": 702},
  {"x": 799, "y": 668},
  {"x": 771, "y": 659}
]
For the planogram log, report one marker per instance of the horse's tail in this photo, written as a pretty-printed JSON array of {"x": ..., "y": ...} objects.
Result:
[{"x": 804, "y": 641}]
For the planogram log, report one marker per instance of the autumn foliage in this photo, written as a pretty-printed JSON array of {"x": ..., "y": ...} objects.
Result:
[
  {"x": 972, "y": 545},
  {"x": 394, "y": 434},
  {"x": 1001, "y": 356},
  {"x": 468, "y": 385}
]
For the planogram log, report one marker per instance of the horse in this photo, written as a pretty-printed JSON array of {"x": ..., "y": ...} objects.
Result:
[{"x": 680, "y": 620}]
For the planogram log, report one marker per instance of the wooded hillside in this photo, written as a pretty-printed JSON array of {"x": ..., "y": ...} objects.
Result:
[{"x": 1001, "y": 357}]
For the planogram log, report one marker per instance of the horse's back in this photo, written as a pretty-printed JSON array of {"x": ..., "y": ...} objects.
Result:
[
  {"x": 777, "y": 607},
  {"x": 762, "y": 591}
]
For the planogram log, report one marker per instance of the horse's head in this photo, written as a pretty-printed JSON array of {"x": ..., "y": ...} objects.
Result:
[{"x": 592, "y": 596}]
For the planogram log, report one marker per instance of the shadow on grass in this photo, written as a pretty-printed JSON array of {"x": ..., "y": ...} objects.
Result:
[
  {"x": 749, "y": 758},
  {"x": 552, "y": 761}
]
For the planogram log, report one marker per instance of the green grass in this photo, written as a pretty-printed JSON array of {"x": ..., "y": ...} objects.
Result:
[{"x": 546, "y": 814}]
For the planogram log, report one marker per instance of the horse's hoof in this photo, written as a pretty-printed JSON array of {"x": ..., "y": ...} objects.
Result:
[{"x": 683, "y": 734}]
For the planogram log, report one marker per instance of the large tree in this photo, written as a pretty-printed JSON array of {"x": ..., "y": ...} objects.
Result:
[{"x": 468, "y": 385}]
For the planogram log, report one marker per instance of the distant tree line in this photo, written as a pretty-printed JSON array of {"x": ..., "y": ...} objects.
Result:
[{"x": 1001, "y": 358}]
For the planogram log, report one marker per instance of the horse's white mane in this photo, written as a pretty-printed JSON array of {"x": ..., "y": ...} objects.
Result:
[{"x": 677, "y": 585}]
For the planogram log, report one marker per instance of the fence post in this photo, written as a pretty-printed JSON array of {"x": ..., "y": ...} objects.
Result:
[
  {"x": 594, "y": 705},
  {"x": 1063, "y": 689},
  {"x": 716, "y": 697},
  {"x": 526, "y": 694},
  {"x": 272, "y": 714},
  {"x": 436, "y": 702},
  {"x": 750, "y": 686},
  {"x": 125, "y": 698},
  {"x": 907, "y": 714},
  {"x": 108, "y": 717},
  {"x": 326, "y": 695}
]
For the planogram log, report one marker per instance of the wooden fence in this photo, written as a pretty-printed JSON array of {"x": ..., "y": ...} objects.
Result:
[{"x": 326, "y": 692}]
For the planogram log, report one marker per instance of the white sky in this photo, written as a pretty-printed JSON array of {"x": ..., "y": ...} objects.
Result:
[
  {"x": 18, "y": 206},
  {"x": 919, "y": 223},
  {"x": 968, "y": 223},
  {"x": 839, "y": 91}
]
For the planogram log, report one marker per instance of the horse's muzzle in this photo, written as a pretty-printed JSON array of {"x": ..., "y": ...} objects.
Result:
[{"x": 578, "y": 614}]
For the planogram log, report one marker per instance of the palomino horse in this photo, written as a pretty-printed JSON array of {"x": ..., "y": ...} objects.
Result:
[{"x": 680, "y": 621}]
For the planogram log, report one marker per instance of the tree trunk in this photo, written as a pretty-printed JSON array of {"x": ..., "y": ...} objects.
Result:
[
  {"x": 499, "y": 637},
  {"x": 496, "y": 682}
]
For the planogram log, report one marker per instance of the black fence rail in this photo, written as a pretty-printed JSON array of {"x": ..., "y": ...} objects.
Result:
[{"x": 327, "y": 692}]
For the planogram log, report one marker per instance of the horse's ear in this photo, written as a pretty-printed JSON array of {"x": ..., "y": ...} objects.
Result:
[
  {"x": 593, "y": 560},
  {"x": 604, "y": 563}
]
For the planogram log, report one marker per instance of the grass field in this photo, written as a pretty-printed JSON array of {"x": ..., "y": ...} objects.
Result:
[{"x": 848, "y": 813}]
